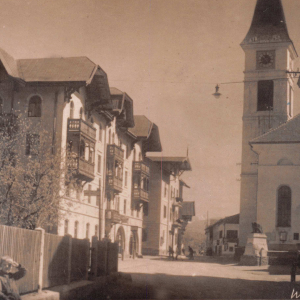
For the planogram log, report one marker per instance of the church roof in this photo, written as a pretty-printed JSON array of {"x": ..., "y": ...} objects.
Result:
[
  {"x": 268, "y": 24},
  {"x": 288, "y": 132}
]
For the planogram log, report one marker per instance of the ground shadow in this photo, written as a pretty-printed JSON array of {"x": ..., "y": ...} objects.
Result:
[
  {"x": 201, "y": 259},
  {"x": 164, "y": 286}
]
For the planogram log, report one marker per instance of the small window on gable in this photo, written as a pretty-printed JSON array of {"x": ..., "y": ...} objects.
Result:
[
  {"x": 35, "y": 107},
  {"x": 265, "y": 93},
  {"x": 100, "y": 132}
]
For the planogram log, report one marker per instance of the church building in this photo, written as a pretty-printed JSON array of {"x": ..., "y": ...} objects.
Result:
[{"x": 270, "y": 144}]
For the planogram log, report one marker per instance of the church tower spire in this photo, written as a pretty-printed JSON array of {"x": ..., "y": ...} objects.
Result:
[
  {"x": 268, "y": 23},
  {"x": 268, "y": 94}
]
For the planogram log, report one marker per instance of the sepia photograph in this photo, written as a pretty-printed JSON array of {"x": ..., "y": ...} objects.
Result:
[{"x": 149, "y": 149}]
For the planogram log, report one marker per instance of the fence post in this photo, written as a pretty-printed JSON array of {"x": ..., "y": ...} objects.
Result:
[
  {"x": 69, "y": 265},
  {"x": 41, "y": 262},
  {"x": 94, "y": 257}
]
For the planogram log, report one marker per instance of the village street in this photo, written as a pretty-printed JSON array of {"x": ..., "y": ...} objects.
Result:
[{"x": 203, "y": 278}]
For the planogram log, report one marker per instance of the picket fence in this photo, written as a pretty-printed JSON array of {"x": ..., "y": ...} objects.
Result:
[{"x": 53, "y": 260}]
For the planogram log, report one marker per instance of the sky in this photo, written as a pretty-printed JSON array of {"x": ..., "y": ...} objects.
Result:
[{"x": 167, "y": 55}]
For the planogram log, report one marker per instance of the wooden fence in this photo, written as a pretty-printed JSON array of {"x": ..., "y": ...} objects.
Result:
[{"x": 53, "y": 260}]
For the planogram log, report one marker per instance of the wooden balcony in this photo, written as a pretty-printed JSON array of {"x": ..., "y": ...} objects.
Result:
[
  {"x": 140, "y": 166},
  {"x": 114, "y": 184},
  {"x": 81, "y": 168},
  {"x": 82, "y": 127},
  {"x": 113, "y": 216},
  {"x": 115, "y": 152},
  {"x": 140, "y": 195}
]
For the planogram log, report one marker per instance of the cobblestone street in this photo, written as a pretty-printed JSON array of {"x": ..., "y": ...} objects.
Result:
[{"x": 207, "y": 278}]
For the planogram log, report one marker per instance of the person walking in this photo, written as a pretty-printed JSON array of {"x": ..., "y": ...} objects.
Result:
[{"x": 191, "y": 253}]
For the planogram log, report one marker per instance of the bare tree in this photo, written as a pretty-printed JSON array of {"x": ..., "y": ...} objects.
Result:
[{"x": 32, "y": 178}]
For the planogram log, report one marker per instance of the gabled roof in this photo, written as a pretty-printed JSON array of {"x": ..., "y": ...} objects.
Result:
[
  {"x": 183, "y": 163},
  {"x": 288, "y": 132},
  {"x": 235, "y": 219},
  {"x": 63, "y": 69},
  {"x": 268, "y": 24},
  {"x": 147, "y": 131},
  {"x": 188, "y": 208}
]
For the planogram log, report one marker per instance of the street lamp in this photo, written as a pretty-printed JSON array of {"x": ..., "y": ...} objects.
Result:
[{"x": 217, "y": 94}]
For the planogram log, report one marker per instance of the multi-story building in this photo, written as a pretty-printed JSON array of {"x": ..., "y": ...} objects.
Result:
[
  {"x": 163, "y": 223},
  {"x": 222, "y": 236}
]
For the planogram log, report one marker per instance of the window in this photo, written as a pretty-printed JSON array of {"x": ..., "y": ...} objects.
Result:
[
  {"x": 165, "y": 192},
  {"x": 96, "y": 230},
  {"x": 290, "y": 101},
  {"x": 125, "y": 179},
  {"x": 232, "y": 234},
  {"x": 265, "y": 91},
  {"x": 87, "y": 233},
  {"x": 113, "y": 138},
  {"x": 296, "y": 236},
  {"x": 220, "y": 234},
  {"x": 284, "y": 204},
  {"x": 124, "y": 206},
  {"x": 71, "y": 110},
  {"x": 32, "y": 144},
  {"x": 35, "y": 107},
  {"x": 144, "y": 235},
  {"x": 76, "y": 225},
  {"x": 66, "y": 227},
  {"x": 109, "y": 137},
  {"x": 117, "y": 203},
  {"x": 99, "y": 164},
  {"x": 165, "y": 211},
  {"x": 100, "y": 132},
  {"x": 80, "y": 113}
]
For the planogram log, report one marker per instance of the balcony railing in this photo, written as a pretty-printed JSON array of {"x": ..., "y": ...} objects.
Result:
[
  {"x": 140, "y": 166},
  {"x": 114, "y": 183},
  {"x": 82, "y": 168},
  {"x": 113, "y": 151},
  {"x": 113, "y": 216},
  {"x": 79, "y": 125},
  {"x": 140, "y": 195}
]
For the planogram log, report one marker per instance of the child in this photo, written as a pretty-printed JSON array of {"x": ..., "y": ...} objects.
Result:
[{"x": 8, "y": 288}]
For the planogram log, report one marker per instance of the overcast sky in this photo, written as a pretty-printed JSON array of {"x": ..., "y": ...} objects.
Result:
[{"x": 168, "y": 56}]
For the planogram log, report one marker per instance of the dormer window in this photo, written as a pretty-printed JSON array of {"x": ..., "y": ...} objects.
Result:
[{"x": 35, "y": 107}]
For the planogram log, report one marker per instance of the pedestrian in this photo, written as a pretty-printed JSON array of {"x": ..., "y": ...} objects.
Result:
[
  {"x": 8, "y": 288},
  {"x": 183, "y": 251},
  {"x": 171, "y": 252},
  {"x": 178, "y": 252},
  {"x": 191, "y": 253}
]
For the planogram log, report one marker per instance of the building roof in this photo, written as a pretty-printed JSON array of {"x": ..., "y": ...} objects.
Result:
[
  {"x": 63, "y": 69},
  {"x": 188, "y": 208},
  {"x": 288, "y": 132},
  {"x": 235, "y": 219},
  {"x": 147, "y": 131},
  {"x": 179, "y": 162},
  {"x": 268, "y": 24}
]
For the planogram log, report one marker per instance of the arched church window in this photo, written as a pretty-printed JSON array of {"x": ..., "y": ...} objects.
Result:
[
  {"x": 35, "y": 107},
  {"x": 265, "y": 94},
  {"x": 284, "y": 206},
  {"x": 71, "y": 110}
]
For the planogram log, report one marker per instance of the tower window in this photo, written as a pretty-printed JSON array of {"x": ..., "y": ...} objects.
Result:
[
  {"x": 265, "y": 93},
  {"x": 284, "y": 206}
]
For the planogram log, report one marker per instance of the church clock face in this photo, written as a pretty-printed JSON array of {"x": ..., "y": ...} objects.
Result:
[{"x": 265, "y": 60}]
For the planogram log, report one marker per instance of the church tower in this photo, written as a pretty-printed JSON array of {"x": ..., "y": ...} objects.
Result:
[{"x": 268, "y": 94}]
